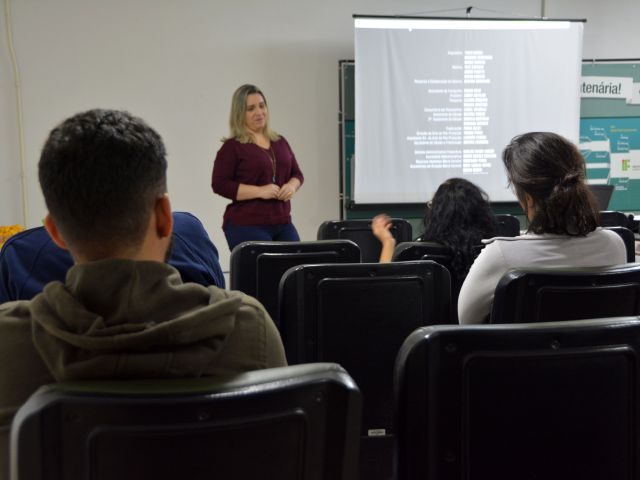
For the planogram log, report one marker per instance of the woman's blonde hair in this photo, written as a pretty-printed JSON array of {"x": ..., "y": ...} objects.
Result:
[{"x": 238, "y": 129}]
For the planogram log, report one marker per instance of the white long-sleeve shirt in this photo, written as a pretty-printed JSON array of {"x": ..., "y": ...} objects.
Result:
[{"x": 597, "y": 249}]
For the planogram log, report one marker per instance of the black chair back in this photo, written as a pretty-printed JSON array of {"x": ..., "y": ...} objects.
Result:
[
  {"x": 359, "y": 231},
  {"x": 409, "y": 251},
  {"x": 610, "y": 218},
  {"x": 298, "y": 422},
  {"x": 508, "y": 225},
  {"x": 419, "y": 250},
  {"x": 256, "y": 267},
  {"x": 358, "y": 315},
  {"x": 554, "y": 294},
  {"x": 547, "y": 401}
]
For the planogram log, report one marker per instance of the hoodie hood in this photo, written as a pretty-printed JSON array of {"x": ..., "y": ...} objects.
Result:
[{"x": 130, "y": 319}]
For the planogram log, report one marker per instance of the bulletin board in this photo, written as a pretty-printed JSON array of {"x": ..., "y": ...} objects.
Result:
[{"x": 610, "y": 129}]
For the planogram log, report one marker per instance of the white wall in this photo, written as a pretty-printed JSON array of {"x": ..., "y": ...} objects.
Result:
[
  {"x": 176, "y": 64},
  {"x": 10, "y": 196},
  {"x": 612, "y": 29}
]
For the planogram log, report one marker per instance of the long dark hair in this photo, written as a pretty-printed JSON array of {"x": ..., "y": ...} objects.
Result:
[
  {"x": 551, "y": 170},
  {"x": 459, "y": 216}
]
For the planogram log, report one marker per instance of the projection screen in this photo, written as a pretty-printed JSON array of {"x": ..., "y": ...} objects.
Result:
[{"x": 440, "y": 98}]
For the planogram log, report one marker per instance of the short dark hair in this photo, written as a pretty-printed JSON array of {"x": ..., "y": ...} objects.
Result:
[
  {"x": 459, "y": 216},
  {"x": 551, "y": 170},
  {"x": 100, "y": 172}
]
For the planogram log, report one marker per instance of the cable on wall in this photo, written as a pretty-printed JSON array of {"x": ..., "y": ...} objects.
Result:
[
  {"x": 16, "y": 79},
  {"x": 467, "y": 12}
]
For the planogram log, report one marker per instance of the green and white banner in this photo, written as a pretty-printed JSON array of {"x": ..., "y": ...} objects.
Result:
[
  {"x": 610, "y": 129},
  {"x": 611, "y": 147}
]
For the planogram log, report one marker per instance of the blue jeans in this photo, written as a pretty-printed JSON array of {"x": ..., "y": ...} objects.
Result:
[{"x": 236, "y": 234}]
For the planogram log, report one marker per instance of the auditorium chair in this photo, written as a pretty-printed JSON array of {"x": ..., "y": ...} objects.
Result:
[
  {"x": 409, "y": 251},
  {"x": 551, "y": 401},
  {"x": 610, "y": 218},
  {"x": 358, "y": 315},
  {"x": 298, "y": 422},
  {"x": 526, "y": 295},
  {"x": 508, "y": 225},
  {"x": 359, "y": 231},
  {"x": 419, "y": 250},
  {"x": 257, "y": 266}
]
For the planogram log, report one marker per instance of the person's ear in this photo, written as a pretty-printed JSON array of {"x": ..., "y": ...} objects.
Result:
[
  {"x": 164, "y": 217},
  {"x": 54, "y": 233},
  {"x": 528, "y": 206},
  {"x": 531, "y": 206}
]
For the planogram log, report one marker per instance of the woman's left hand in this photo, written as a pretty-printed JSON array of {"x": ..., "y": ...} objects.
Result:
[{"x": 286, "y": 192}]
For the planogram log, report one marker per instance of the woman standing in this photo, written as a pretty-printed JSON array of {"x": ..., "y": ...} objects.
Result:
[{"x": 256, "y": 169}]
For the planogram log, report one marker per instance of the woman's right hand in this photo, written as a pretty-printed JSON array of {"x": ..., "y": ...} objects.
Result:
[
  {"x": 269, "y": 191},
  {"x": 380, "y": 226},
  {"x": 250, "y": 192}
]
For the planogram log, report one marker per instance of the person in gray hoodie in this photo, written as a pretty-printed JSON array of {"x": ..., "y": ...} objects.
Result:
[{"x": 122, "y": 311}]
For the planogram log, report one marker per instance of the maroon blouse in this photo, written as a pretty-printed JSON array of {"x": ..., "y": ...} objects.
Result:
[{"x": 250, "y": 164}]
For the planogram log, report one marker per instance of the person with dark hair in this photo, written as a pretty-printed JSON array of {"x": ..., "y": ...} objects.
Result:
[
  {"x": 459, "y": 217},
  {"x": 547, "y": 173},
  {"x": 256, "y": 169},
  {"x": 122, "y": 311},
  {"x": 30, "y": 259}
]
